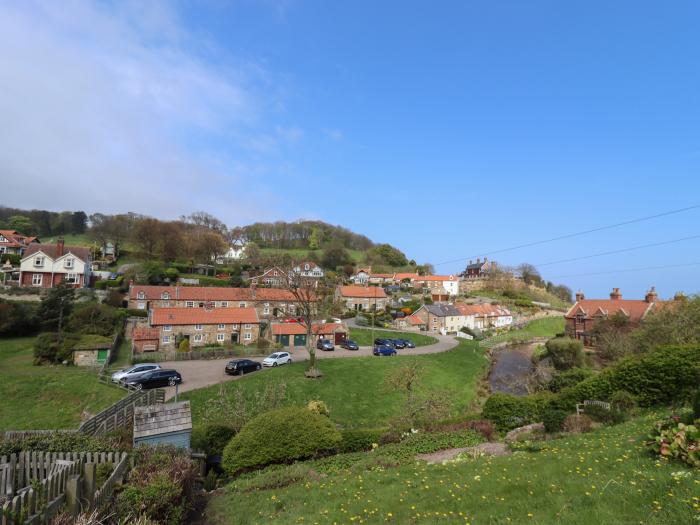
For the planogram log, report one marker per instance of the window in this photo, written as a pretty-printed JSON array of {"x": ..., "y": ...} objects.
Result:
[
  {"x": 224, "y": 304},
  {"x": 37, "y": 279},
  {"x": 166, "y": 304},
  {"x": 234, "y": 327},
  {"x": 141, "y": 295},
  {"x": 197, "y": 338},
  {"x": 241, "y": 305},
  {"x": 248, "y": 336},
  {"x": 38, "y": 261},
  {"x": 220, "y": 337},
  {"x": 166, "y": 338},
  {"x": 189, "y": 304},
  {"x": 221, "y": 327},
  {"x": 141, "y": 306},
  {"x": 72, "y": 278},
  {"x": 198, "y": 327},
  {"x": 168, "y": 328},
  {"x": 266, "y": 308},
  {"x": 165, "y": 295},
  {"x": 247, "y": 326},
  {"x": 68, "y": 263}
]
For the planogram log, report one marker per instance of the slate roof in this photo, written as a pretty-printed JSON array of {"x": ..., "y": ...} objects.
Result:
[
  {"x": 154, "y": 420},
  {"x": 51, "y": 250},
  {"x": 442, "y": 310}
]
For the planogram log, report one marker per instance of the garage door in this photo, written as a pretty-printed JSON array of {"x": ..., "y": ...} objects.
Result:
[{"x": 300, "y": 340}]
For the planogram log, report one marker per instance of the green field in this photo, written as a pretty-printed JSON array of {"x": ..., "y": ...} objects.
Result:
[
  {"x": 604, "y": 477},
  {"x": 44, "y": 397},
  {"x": 363, "y": 336},
  {"x": 354, "y": 389},
  {"x": 543, "y": 327}
]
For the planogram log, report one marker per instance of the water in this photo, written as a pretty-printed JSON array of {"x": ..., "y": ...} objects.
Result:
[{"x": 511, "y": 369}]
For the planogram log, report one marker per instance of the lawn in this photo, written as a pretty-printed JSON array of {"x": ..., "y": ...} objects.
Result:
[
  {"x": 363, "y": 336},
  {"x": 604, "y": 477},
  {"x": 543, "y": 327},
  {"x": 44, "y": 397},
  {"x": 354, "y": 389}
]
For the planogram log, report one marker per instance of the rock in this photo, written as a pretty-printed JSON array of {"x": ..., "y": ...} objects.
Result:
[{"x": 533, "y": 428}]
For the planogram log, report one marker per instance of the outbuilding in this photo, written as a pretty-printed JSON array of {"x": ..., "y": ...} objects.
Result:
[{"x": 163, "y": 424}]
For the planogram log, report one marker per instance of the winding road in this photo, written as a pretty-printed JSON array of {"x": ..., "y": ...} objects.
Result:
[{"x": 207, "y": 372}]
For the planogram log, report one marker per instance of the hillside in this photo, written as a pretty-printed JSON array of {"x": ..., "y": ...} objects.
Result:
[{"x": 606, "y": 476}]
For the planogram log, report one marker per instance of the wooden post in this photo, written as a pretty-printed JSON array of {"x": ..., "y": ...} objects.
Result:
[
  {"x": 89, "y": 481},
  {"x": 73, "y": 494}
]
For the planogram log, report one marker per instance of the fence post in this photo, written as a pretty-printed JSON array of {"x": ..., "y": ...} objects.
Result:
[
  {"x": 73, "y": 494},
  {"x": 89, "y": 481}
]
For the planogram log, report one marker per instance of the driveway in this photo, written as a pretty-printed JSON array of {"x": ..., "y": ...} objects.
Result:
[{"x": 207, "y": 372}]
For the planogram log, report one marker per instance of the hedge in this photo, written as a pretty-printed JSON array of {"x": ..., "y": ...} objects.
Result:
[
  {"x": 280, "y": 436},
  {"x": 357, "y": 440},
  {"x": 507, "y": 412}
]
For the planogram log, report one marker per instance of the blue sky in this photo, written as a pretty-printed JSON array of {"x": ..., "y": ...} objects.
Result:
[{"x": 448, "y": 129}]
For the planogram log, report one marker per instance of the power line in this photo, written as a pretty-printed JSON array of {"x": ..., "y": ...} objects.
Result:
[
  {"x": 575, "y": 234},
  {"x": 621, "y": 250},
  {"x": 663, "y": 267}
]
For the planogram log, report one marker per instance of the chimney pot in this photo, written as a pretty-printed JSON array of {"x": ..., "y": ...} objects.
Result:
[
  {"x": 59, "y": 246},
  {"x": 580, "y": 296},
  {"x": 651, "y": 295},
  {"x": 616, "y": 295}
]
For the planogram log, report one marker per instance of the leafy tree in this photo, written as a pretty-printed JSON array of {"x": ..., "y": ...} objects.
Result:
[
  {"x": 387, "y": 254},
  {"x": 22, "y": 224},
  {"x": 565, "y": 352},
  {"x": 17, "y": 319},
  {"x": 335, "y": 256},
  {"x": 315, "y": 239},
  {"x": 94, "y": 318},
  {"x": 55, "y": 307}
]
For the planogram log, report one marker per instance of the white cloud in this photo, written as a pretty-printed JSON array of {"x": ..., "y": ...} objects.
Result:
[{"x": 114, "y": 108}]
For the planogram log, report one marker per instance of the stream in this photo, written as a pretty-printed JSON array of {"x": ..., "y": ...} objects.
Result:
[{"x": 510, "y": 369}]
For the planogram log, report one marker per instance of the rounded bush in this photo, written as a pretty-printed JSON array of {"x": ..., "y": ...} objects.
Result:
[
  {"x": 212, "y": 438},
  {"x": 360, "y": 439},
  {"x": 319, "y": 407},
  {"x": 577, "y": 424},
  {"x": 280, "y": 436},
  {"x": 507, "y": 412},
  {"x": 553, "y": 419}
]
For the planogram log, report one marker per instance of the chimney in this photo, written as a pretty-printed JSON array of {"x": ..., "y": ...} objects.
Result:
[
  {"x": 470, "y": 261},
  {"x": 579, "y": 296},
  {"x": 615, "y": 295},
  {"x": 478, "y": 260},
  {"x": 59, "y": 247},
  {"x": 651, "y": 296},
  {"x": 252, "y": 290},
  {"x": 485, "y": 259}
]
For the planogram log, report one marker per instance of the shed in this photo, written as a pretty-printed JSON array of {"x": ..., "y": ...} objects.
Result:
[
  {"x": 164, "y": 424},
  {"x": 91, "y": 350}
]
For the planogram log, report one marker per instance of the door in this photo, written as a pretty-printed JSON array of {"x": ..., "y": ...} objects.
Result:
[
  {"x": 234, "y": 337},
  {"x": 284, "y": 340},
  {"x": 102, "y": 355},
  {"x": 339, "y": 337},
  {"x": 300, "y": 340}
]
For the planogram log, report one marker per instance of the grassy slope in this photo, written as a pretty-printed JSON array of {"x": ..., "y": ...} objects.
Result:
[
  {"x": 300, "y": 253},
  {"x": 543, "y": 327},
  {"x": 41, "y": 397},
  {"x": 354, "y": 388},
  {"x": 602, "y": 477},
  {"x": 363, "y": 336},
  {"x": 533, "y": 295}
]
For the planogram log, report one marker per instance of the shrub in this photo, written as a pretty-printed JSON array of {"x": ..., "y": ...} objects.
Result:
[
  {"x": 427, "y": 443},
  {"x": 184, "y": 346},
  {"x": 212, "y": 438},
  {"x": 280, "y": 436},
  {"x": 507, "y": 412},
  {"x": 623, "y": 401},
  {"x": 695, "y": 403},
  {"x": 482, "y": 426},
  {"x": 17, "y": 319},
  {"x": 104, "y": 470},
  {"x": 318, "y": 407},
  {"x": 553, "y": 419},
  {"x": 53, "y": 347},
  {"x": 672, "y": 439},
  {"x": 568, "y": 378},
  {"x": 135, "y": 312},
  {"x": 599, "y": 414},
  {"x": 360, "y": 439},
  {"x": 59, "y": 442},
  {"x": 577, "y": 424},
  {"x": 565, "y": 352}
]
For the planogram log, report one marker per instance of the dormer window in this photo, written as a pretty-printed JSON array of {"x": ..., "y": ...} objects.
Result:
[
  {"x": 165, "y": 296},
  {"x": 38, "y": 261},
  {"x": 68, "y": 263},
  {"x": 306, "y": 267},
  {"x": 141, "y": 295}
]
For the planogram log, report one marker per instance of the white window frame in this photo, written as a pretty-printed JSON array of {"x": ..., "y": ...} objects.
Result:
[
  {"x": 39, "y": 281},
  {"x": 69, "y": 262},
  {"x": 166, "y": 304},
  {"x": 166, "y": 339},
  {"x": 189, "y": 304},
  {"x": 39, "y": 261},
  {"x": 224, "y": 304},
  {"x": 141, "y": 306},
  {"x": 234, "y": 326},
  {"x": 221, "y": 326},
  {"x": 220, "y": 338},
  {"x": 197, "y": 338},
  {"x": 165, "y": 296},
  {"x": 198, "y": 327},
  {"x": 72, "y": 278},
  {"x": 141, "y": 295},
  {"x": 241, "y": 305},
  {"x": 167, "y": 328},
  {"x": 266, "y": 308},
  {"x": 247, "y": 336},
  {"x": 247, "y": 326}
]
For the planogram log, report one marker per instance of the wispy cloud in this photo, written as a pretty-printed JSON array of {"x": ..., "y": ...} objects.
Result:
[
  {"x": 114, "y": 107},
  {"x": 334, "y": 134}
]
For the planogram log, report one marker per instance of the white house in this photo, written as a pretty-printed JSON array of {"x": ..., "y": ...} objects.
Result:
[
  {"x": 309, "y": 269},
  {"x": 235, "y": 252},
  {"x": 46, "y": 265}
]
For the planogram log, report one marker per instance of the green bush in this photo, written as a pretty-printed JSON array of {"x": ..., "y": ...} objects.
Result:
[
  {"x": 427, "y": 443},
  {"x": 672, "y": 439},
  {"x": 14, "y": 258},
  {"x": 360, "y": 439},
  {"x": 59, "y": 442},
  {"x": 565, "y": 352},
  {"x": 507, "y": 412},
  {"x": 623, "y": 401},
  {"x": 553, "y": 419},
  {"x": 318, "y": 407},
  {"x": 212, "y": 438},
  {"x": 695, "y": 403},
  {"x": 135, "y": 312},
  {"x": 659, "y": 377},
  {"x": 568, "y": 378},
  {"x": 100, "y": 285},
  {"x": 280, "y": 436},
  {"x": 53, "y": 347},
  {"x": 104, "y": 470}
]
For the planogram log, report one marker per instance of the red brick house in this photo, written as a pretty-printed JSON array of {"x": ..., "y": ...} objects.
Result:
[
  {"x": 583, "y": 316},
  {"x": 294, "y": 334},
  {"x": 46, "y": 265},
  {"x": 144, "y": 339},
  {"x": 361, "y": 298},
  {"x": 205, "y": 326},
  {"x": 13, "y": 242}
]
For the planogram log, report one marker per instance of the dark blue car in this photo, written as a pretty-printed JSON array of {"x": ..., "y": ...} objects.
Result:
[{"x": 384, "y": 350}]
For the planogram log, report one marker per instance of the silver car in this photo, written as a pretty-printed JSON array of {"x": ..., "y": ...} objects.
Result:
[{"x": 133, "y": 372}]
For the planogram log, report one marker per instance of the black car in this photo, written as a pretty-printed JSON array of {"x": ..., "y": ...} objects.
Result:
[
  {"x": 242, "y": 366},
  {"x": 408, "y": 344},
  {"x": 384, "y": 350},
  {"x": 398, "y": 343},
  {"x": 325, "y": 344},
  {"x": 384, "y": 342},
  {"x": 155, "y": 379},
  {"x": 349, "y": 345}
]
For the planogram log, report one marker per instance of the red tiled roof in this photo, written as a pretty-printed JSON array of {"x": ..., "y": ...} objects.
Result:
[
  {"x": 188, "y": 316},
  {"x": 299, "y": 328},
  {"x": 371, "y": 292},
  {"x": 414, "y": 320},
  {"x": 144, "y": 334},
  {"x": 210, "y": 293},
  {"x": 635, "y": 310},
  {"x": 51, "y": 250},
  {"x": 402, "y": 276},
  {"x": 482, "y": 310},
  {"x": 381, "y": 275},
  {"x": 437, "y": 278}
]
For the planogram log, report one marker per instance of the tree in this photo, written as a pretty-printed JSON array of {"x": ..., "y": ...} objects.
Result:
[
  {"x": 206, "y": 244},
  {"x": 387, "y": 254},
  {"x": 55, "y": 307},
  {"x": 146, "y": 235},
  {"x": 205, "y": 220},
  {"x": 315, "y": 239},
  {"x": 530, "y": 275},
  {"x": 252, "y": 252},
  {"x": 111, "y": 228},
  {"x": 22, "y": 224},
  {"x": 335, "y": 256}
]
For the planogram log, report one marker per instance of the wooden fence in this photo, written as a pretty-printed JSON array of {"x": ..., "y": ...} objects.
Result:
[
  {"x": 19, "y": 434},
  {"x": 121, "y": 413},
  {"x": 104, "y": 493}
]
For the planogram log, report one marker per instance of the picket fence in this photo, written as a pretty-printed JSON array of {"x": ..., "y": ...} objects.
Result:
[{"x": 121, "y": 413}]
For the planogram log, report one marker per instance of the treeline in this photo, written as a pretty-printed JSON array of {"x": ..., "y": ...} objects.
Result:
[
  {"x": 311, "y": 235},
  {"x": 43, "y": 223}
]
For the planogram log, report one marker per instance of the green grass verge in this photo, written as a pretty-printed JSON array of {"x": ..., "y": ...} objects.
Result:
[
  {"x": 354, "y": 389},
  {"x": 363, "y": 336},
  {"x": 543, "y": 327},
  {"x": 44, "y": 397},
  {"x": 602, "y": 477}
]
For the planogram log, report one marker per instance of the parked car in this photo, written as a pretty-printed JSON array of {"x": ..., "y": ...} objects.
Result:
[
  {"x": 242, "y": 366},
  {"x": 325, "y": 344},
  {"x": 155, "y": 379},
  {"x": 384, "y": 342},
  {"x": 384, "y": 350},
  {"x": 349, "y": 345},
  {"x": 408, "y": 344},
  {"x": 398, "y": 343},
  {"x": 278, "y": 358},
  {"x": 132, "y": 372},
  {"x": 293, "y": 320}
]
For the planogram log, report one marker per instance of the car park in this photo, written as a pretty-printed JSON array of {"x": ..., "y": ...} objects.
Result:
[
  {"x": 121, "y": 376},
  {"x": 242, "y": 366},
  {"x": 349, "y": 345},
  {"x": 384, "y": 350},
  {"x": 398, "y": 343},
  {"x": 278, "y": 358},
  {"x": 155, "y": 379},
  {"x": 325, "y": 344}
]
